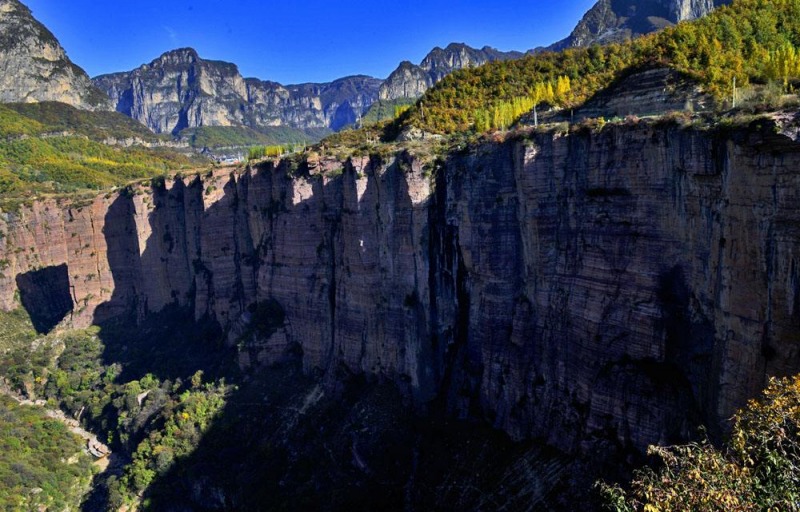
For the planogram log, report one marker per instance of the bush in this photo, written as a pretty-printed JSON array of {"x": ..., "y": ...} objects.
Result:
[{"x": 759, "y": 469}]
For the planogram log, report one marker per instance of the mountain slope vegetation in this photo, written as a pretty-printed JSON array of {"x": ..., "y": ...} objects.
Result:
[
  {"x": 55, "y": 148},
  {"x": 758, "y": 470},
  {"x": 52, "y": 116},
  {"x": 752, "y": 41},
  {"x": 42, "y": 466}
]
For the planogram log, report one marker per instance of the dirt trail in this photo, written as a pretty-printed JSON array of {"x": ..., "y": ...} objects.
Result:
[{"x": 93, "y": 446}]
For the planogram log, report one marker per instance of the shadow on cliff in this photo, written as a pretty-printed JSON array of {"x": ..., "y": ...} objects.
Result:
[
  {"x": 286, "y": 442},
  {"x": 289, "y": 439},
  {"x": 168, "y": 343},
  {"x": 45, "y": 295}
]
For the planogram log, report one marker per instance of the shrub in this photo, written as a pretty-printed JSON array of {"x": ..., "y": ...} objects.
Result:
[{"x": 758, "y": 470}]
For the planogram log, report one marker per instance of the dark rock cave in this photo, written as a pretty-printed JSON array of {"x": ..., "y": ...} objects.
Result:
[{"x": 45, "y": 295}]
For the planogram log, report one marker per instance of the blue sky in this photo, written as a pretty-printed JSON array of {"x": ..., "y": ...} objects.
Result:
[{"x": 300, "y": 40}]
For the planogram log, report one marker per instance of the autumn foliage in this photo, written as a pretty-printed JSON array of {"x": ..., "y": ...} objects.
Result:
[
  {"x": 758, "y": 470},
  {"x": 749, "y": 40}
]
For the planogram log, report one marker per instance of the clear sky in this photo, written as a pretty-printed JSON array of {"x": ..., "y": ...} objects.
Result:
[{"x": 298, "y": 40}]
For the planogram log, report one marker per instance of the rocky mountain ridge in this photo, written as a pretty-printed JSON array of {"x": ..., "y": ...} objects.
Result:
[
  {"x": 181, "y": 90},
  {"x": 34, "y": 67},
  {"x": 610, "y": 21},
  {"x": 410, "y": 81}
]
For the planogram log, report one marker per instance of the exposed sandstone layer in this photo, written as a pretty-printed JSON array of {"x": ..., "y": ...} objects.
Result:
[{"x": 614, "y": 287}]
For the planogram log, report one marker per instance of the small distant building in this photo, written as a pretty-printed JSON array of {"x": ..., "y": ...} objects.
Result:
[
  {"x": 97, "y": 450},
  {"x": 223, "y": 158}
]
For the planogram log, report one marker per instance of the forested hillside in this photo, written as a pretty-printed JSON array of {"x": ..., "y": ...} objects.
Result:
[
  {"x": 55, "y": 148},
  {"x": 752, "y": 41}
]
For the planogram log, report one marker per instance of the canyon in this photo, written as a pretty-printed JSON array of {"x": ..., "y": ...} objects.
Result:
[
  {"x": 395, "y": 318},
  {"x": 597, "y": 291}
]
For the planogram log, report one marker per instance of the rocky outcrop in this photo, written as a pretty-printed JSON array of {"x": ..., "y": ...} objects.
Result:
[
  {"x": 611, "y": 21},
  {"x": 34, "y": 66},
  {"x": 181, "y": 90},
  {"x": 410, "y": 82},
  {"x": 640, "y": 92},
  {"x": 647, "y": 92},
  {"x": 597, "y": 290}
]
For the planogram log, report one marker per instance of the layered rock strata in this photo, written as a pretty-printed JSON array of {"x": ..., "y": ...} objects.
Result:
[{"x": 610, "y": 288}]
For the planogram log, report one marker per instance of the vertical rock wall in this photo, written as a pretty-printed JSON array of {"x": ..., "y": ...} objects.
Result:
[{"x": 614, "y": 287}]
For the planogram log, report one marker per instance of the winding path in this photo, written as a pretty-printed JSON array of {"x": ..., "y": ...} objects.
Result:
[{"x": 108, "y": 462}]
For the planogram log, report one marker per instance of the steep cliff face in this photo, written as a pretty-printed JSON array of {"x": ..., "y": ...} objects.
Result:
[
  {"x": 409, "y": 81},
  {"x": 618, "y": 20},
  {"x": 594, "y": 289},
  {"x": 34, "y": 66},
  {"x": 180, "y": 90}
]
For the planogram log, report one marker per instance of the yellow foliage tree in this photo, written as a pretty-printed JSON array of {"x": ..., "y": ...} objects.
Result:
[
  {"x": 783, "y": 64},
  {"x": 760, "y": 470},
  {"x": 563, "y": 90}
]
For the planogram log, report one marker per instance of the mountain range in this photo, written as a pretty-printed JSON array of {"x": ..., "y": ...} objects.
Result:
[{"x": 180, "y": 90}]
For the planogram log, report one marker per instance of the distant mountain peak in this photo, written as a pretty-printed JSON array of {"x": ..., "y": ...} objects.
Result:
[
  {"x": 188, "y": 50},
  {"x": 187, "y": 58},
  {"x": 34, "y": 67},
  {"x": 619, "y": 20},
  {"x": 179, "y": 54},
  {"x": 410, "y": 81}
]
